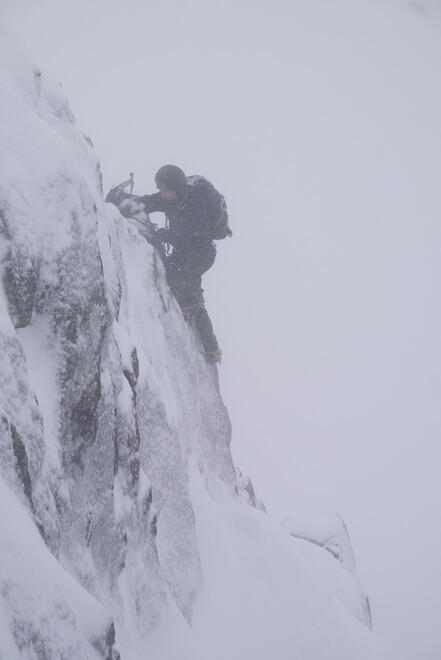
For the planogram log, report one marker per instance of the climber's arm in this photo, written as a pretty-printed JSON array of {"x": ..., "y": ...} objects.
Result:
[{"x": 162, "y": 201}]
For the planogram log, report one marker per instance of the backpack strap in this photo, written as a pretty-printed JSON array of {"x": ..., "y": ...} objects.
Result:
[{"x": 212, "y": 231}]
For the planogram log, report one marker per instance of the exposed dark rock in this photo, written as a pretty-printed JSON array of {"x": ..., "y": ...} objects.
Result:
[
  {"x": 83, "y": 420},
  {"x": 4, "y": 227},
  {"x": 106, "y": 645},
  {"x": 100, "y": 176},
  {"x": 115, "y": 449},
  {"x": 135, "y": 363},
  {"x": 20, "y": 282},
  {"x": 134, "y": 469},
  {"x": 245, "y": 490},
  {"x": 147, "y": 502},
  {"x": 22, "y": 466},
  {"x": 132, "y": 374},
  {"x": 89, "y": 528},
  {"x": 154, "y": 526}
]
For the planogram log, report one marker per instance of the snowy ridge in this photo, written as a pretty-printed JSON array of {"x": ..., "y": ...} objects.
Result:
[
  {"x": 117, "y": 480},
  {"x": 327, "y": 531}
]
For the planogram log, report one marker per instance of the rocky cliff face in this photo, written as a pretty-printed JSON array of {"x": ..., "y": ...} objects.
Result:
[{"x": 125, "y": 527}]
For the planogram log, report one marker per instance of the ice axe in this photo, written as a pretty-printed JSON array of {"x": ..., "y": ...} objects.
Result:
[{"x": 114, "y": 193}]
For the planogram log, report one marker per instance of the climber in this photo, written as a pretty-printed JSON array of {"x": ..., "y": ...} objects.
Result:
[{"x": 196, "y": 214}]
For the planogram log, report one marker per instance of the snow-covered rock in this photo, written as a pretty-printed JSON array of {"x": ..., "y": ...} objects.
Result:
[
  {"x": 121, "y": 511},
  {"x": 44, "y": 612},
  {"x": 328, "y": 547}
]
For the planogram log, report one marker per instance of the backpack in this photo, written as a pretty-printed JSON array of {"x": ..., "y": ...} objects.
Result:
[{"x": 217, "y": 222}]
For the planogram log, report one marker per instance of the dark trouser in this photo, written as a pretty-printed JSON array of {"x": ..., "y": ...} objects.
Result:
[{"x": 184, "y": 275}]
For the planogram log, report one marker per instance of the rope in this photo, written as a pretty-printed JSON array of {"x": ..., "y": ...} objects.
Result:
[
  {"x": 212, "y": 231},
  {"x": 196, "y": 304}
]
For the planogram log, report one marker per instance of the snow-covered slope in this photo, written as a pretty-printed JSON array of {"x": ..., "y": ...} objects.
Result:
[{"x": 125, "y": 528}]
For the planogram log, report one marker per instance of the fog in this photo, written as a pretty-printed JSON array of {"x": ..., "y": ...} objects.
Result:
[{"x": 320, "y": 123}]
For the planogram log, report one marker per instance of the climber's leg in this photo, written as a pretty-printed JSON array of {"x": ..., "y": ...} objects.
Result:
[{"x": 204, "y": 327}]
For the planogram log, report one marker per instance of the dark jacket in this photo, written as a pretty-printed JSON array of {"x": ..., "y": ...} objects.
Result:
[{"x": 187, "y": 217}]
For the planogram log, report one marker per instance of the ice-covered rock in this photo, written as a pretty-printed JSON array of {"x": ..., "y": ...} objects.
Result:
[{"x": 121, "y": 511}]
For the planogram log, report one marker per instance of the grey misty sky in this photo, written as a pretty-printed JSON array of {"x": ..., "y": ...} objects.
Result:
[{"x": 320, "y": 122}]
